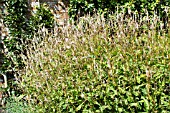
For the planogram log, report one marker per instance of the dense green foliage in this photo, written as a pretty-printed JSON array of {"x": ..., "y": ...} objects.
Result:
[
  {"x": 42, "y": 17},
  {"x": 88, "y": 68},
  {"x": 82, "y": 7}
]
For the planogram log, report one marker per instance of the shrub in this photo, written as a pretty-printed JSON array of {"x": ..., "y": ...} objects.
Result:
[{"x": 98, "y": 66}]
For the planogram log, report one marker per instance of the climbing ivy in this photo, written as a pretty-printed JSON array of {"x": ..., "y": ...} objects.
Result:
[{"x": 17, "y": 22}]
